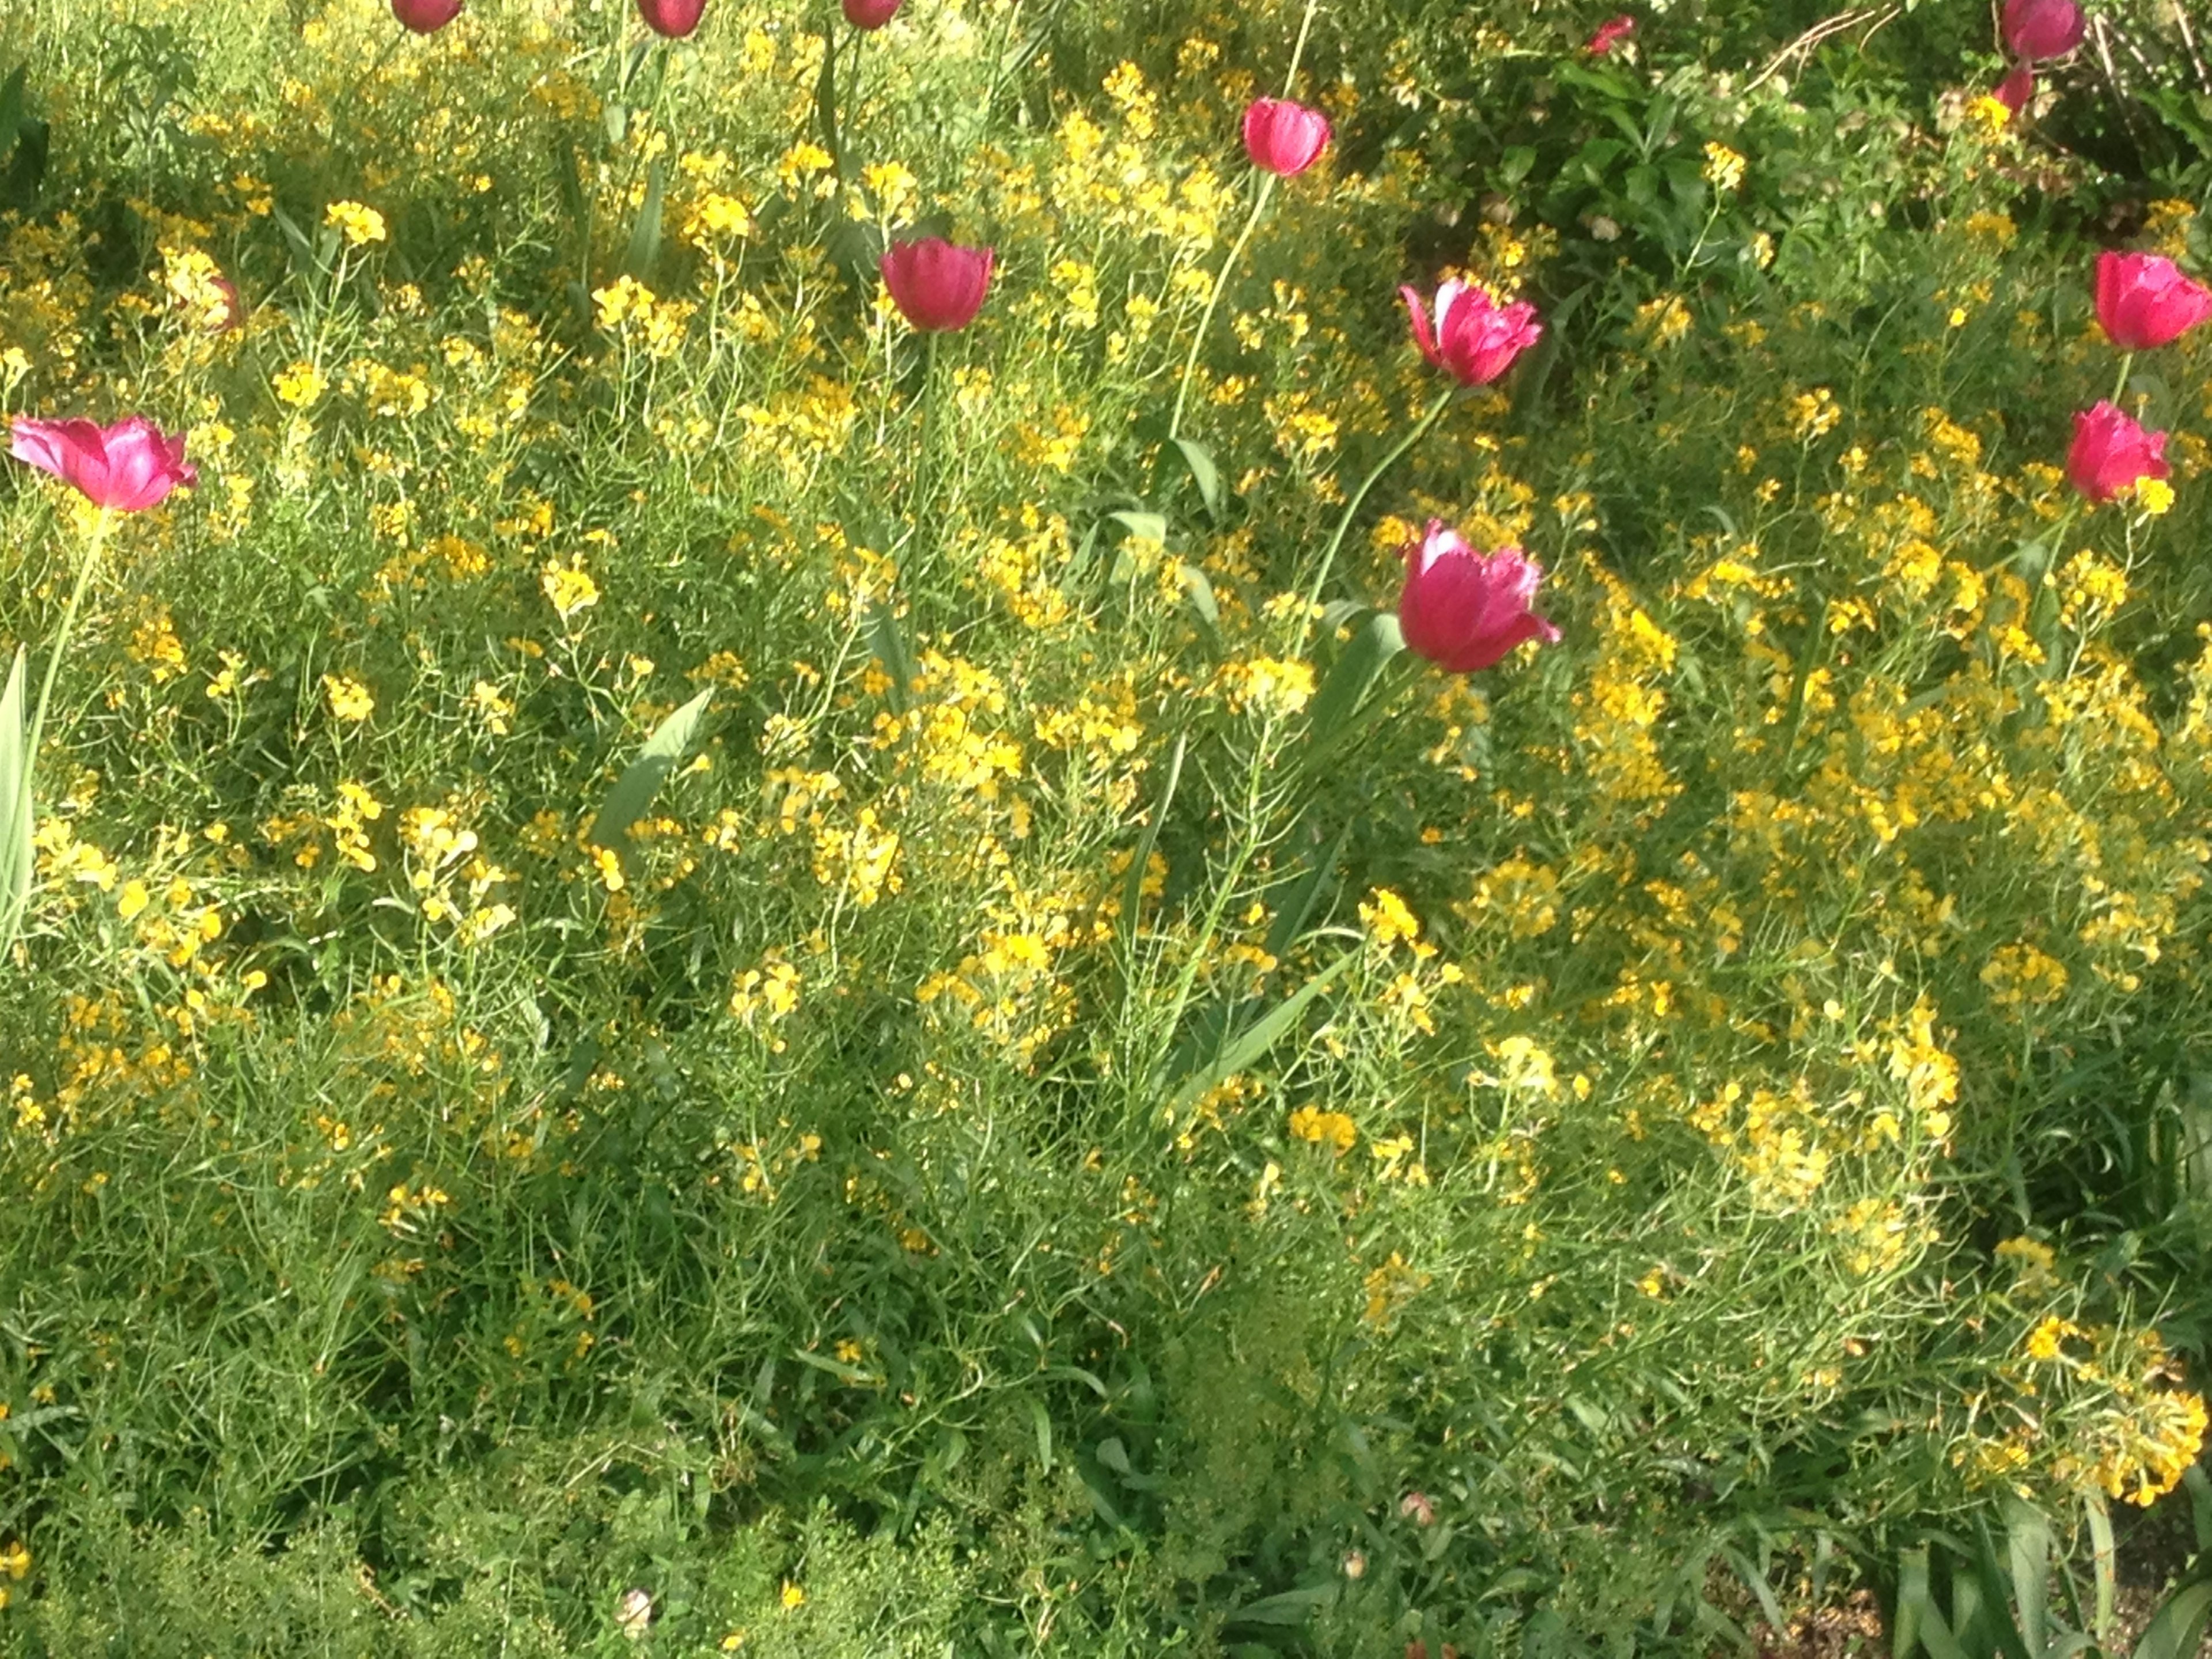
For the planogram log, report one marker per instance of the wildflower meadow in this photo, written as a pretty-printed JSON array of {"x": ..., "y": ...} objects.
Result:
[{"x": 1357, "y": 828}]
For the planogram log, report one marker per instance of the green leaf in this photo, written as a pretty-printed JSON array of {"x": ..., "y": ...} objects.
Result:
[
  {"x": 1289, "y": 1608},
  {"x": 2178, "y": 1626},
  {"x": 2103, "y": 1559},
  {"x": 1354, "y": 672},
  {"x": 2027, "y": 1551},
  {"x": 635, "y": 790},
  {"x": 645, "y": 229},
  {"x": 17, "y": 854},
  {"x": 1200, "y": 593},
  {"x": 1146, "y": 526},
  {"x": 1042, "y": 1422},
  {"x": 825, "y": 101},
  {"x": 888, "y": 640},
  {"x": 1255, "y": 1039},
  {"x": 11, "y": 108},
  {"x": 1204, "y": 473},
  {"x": 1132, "y": 888}
]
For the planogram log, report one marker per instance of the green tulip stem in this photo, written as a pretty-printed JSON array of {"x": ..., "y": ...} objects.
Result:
[
  {"x": 1429, "y": 418},
  {"x": 1213, "y": 300},
  {"x": 2120, "y": 386},
  {"x": 93, "y": 546}
]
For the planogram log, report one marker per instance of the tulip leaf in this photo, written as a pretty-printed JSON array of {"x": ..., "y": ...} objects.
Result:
[
  {"x": 1255, "y": 1039},
  {"x": 1145, "y": 526},
  {"x": 635, "y": 790},
  {"x": 645, "y": 231},
  {"x": 2178, "y": 1628},
  {"x": 825, "y": 101},
  {"x": 888, "y": 640},
  {"x": 1203, "y": 473},
  {"x": 1199, "y": 592},
  {"x": 17, "y": 853},
  {"x": 1349, "y": 681},
  {"x": 11, "y": 108}
]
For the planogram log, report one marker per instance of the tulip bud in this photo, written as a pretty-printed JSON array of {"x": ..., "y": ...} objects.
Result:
[
  {"x": 2111, "y": 453},
  {"x": 1473, "y": 338},
  {"x": 937, "y": 285},
  {"x": 674, "y": 19},
  {"x": 128, "y": 467},
  {"x": 1465, "y": 610},
  {"x": 1283, "y": 138},
  {"x": 2037, "y": 29},
  {"x": 871, "y": 14},
  {"x": 426, "y": 16},
  {"x": 1610, "y": 35},
  {"x": 2143, "y": 300}
]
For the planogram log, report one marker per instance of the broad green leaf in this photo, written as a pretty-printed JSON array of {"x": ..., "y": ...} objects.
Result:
[
  {"x": 2103, "y": 1561},
  {"x": 11, "y": 108},
  {"x": 1289, "y": 1608},
  {"x": 1041, "y": 1420},
  {"x": 2027, "y": 1551},
  {"x": 1261, "y": 1034},
  {"x": 635, "y": 790},
  {"x": 888, "y": 640},
  {"x": 2177, "y": 1627},
  {"x": 17, "y": 853},
  {"x": 1354, "y": 672},
  {"x": 645, "y": 230},
  {"x": 1203, "y": 472},
  {"x": 1146, "y": 526}
]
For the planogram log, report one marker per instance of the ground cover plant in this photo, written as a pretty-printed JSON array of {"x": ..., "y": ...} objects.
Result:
[{"x": 1078, "y": 827}]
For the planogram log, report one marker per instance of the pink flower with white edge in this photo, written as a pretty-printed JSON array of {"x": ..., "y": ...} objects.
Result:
[
  {"x": 127, "y": 467},
  {"x": 1282, "y": 137},
  {"x": 2111, "y": 453},
  {"x": 1470, "y": 335},
  {"x": 2143, "y": 300},
  {"x": 1465, "y": 610},
  {"x": 937, "y": 285}
]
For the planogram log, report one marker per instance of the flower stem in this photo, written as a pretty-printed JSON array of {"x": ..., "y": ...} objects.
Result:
[
  {"x": 1298, "y": 52},
  {"x": 2120, "y": 386},
  {"x": 1213, "y": 300},
  {"x": 95, "y": 543},
  {"x": 1429, "y": 418}
]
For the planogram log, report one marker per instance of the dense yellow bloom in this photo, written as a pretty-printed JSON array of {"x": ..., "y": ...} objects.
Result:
[{"x": 358, "y": 224}]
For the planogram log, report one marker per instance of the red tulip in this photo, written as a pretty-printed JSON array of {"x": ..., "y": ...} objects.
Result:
[
  {"x": 871, "y": 14},
  {"x": 1473, "y": 337},
  {"x": 2016, "y": 89},
  {"x": 2143, "y": 300},
  {"x": 1610, "y": 35},
  {"x": 426, "y": 16},
  {"x": 1464, "y": 610},
  {"x": 1283, "y": 138},
  {"x": 2111, "y": 453},
  {"x": 2037, "y": 29},
  {"x": 673, "y": 18},
  {"x": 936, "y": 284},
  {"x": 129, "y": 466}
]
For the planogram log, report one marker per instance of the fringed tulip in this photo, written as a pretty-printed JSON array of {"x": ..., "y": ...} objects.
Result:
[
  {"x": 426, "y": 16},
  {"x": 937, "y": 285},
  {"x": 870, "y": 14},
  {"x": 1282, "y": 137},
  {"x": 1472, "y": 337},
  {"x": 2144, "y": 301},
  {"x": 1464, "y": 610},
  {"x": 2111, "y": 453},
  {"x": 2037, "y": 29},
  {"x": 1610, "y": 34},
  {"x": 127, "y": 467},
  {"x": 673, "y": 19}
]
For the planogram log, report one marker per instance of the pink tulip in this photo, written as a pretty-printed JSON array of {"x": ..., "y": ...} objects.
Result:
[
  {"x": 426, "y": 16},
  {"x": 1282, "y": 137},
  {"x": 2111, "y": 453},
  {"x": 2144, "y": 301},
  {"x": 871, "y": 14},
  {"x": 129, "y": 466},
  {"x": 2037, "y": 29},
  {"x": 1473, "y": 337},
  {"x": 1610, "y": 35},
  {"x": 936, "y": 284},
  {"x": 2016, "y": 89},
  {"x": 1465, "y": 610},
  {"x": 674, "y": 19}
]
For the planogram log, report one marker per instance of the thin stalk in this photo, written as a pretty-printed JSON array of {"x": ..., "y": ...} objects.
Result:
[
  {"x": 926, "y": 467},
  {"x": 1429, "y": 418},
  {"x": 96, "y": 544},
  {"x": 1298, "y": 50},
  {"x": 2120, "y": 386},
  {"x": 1213, "y": 300}
]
